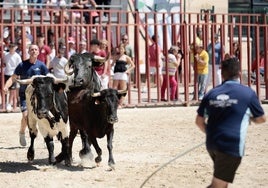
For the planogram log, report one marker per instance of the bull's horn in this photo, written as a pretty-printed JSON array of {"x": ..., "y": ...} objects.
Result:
[
  {"x": 60, "y": 80},
  {"x": 96, "y": 94},
  {"x": 122, "y": 91},
  {"x": 99, "y": 59},
  {"x": 68, "y": 70},
  {"x": 24, "y": 81},
  {"x": 29, "y": 80}
]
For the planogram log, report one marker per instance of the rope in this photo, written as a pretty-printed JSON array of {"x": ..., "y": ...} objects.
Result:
[{"x": 164, "y": 165}]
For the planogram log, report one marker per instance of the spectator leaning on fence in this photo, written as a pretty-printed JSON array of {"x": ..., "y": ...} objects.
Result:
[
  {"x": 201, "y": 59},
  {"x": 218, "y": 51},
  {"x": 156, "y": 60},
  {"x": 128, "y": 48},
  {"x": 169, "y": 72},
  {"x": 44, "y": 50},
  {"x": 101, "y": 69}
]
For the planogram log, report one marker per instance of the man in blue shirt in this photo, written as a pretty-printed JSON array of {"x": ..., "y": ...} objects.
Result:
[
  {"x": 218, "y": 51},
  {"x": 224, "y": 115},
  {"x": 26, "y": 69}
]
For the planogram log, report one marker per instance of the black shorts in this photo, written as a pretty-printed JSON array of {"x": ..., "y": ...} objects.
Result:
[
  {"x": 225, "y": 165},
  {"x": 14, "y": 84}
]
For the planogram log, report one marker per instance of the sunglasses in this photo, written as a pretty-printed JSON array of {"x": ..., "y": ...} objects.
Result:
[{"x": 124, "y": 39}]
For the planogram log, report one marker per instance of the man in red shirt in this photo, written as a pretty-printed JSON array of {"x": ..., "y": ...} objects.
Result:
[
  {"x": 261, "y": 63},
  {"x": 155, "y": 58},
  {"x": 102, "y": 69},
  {"x": 44, "y": 50}
]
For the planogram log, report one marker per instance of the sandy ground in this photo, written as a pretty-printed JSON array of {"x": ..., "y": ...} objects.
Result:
[{"x": 153, "y": 147}]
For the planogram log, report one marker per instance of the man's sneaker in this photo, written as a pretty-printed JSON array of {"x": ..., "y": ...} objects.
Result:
[{"x": 22, "y": 139}]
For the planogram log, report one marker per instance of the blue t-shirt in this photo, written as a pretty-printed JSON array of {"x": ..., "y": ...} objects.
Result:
[
  {"x": 228, "y": 108},
  {"x": 26, "y": 70}
]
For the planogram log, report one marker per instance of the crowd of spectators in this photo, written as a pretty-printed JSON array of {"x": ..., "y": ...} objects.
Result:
[
  {"x": 55, "y": 54},
  {"x": 73, "y": 11}
]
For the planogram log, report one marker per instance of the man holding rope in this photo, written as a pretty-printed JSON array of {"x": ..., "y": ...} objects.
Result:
[{"x": 224, "y": 115}]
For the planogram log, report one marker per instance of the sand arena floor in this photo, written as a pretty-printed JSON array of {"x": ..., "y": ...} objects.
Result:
[{"x": 153, "y": 147}]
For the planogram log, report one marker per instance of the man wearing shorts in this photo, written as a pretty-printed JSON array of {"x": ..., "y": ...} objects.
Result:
[
  {"x": 26, "y": 69},
  {"x": 224, "y": 115}
]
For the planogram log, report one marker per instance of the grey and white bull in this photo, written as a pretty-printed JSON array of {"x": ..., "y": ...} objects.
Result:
[{"x": 47, "y": 108}]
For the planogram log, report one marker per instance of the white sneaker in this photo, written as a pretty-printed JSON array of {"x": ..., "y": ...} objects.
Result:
[
  {"x": 9, "y": 108},
  {"x": 22, "y": 139}
]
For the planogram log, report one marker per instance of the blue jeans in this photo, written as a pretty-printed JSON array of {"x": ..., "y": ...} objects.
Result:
[{"x": 202, "y": 81}]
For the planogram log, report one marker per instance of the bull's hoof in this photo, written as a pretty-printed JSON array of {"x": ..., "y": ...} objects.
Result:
[
  {"x": 83, "y": 152},
  {"x": 59, "y": 158},
  {"x": 52, "y": 161},
  {"x": 111, "y": 162},
  {"x": 30, "y": 155},
  {"x": 98, "y": 159},
  {"x": 68, "y": 162},
  {"x": 86, "y": 154},
  {"x": 112, "y": 167}
]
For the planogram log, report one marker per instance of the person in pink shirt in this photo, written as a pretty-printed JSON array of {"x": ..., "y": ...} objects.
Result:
[{"x": 155, "y": 58}]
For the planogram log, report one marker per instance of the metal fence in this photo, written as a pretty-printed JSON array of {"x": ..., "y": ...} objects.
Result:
[{"x": 60, "y": 23}]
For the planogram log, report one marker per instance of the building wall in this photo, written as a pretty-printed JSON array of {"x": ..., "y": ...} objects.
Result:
[{"x": 221, "y": 6}]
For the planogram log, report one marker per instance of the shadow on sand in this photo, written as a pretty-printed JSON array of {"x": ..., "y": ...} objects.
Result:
[{"x": 37, "y": 164}]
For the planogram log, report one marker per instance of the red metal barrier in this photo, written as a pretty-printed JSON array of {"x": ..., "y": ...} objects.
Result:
[{"x": 249, "y": 30}]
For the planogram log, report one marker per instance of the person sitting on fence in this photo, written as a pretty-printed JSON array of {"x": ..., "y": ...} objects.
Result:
[
  {"x": 106, "y": 3},
  {"x": 76, "y": 6},
  {"x": 88, "y": 15}
]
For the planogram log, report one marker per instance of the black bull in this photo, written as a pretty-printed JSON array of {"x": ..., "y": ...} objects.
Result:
[
  {"x": 47, "y": 107},
  {"x": 93, "y": 114}
]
